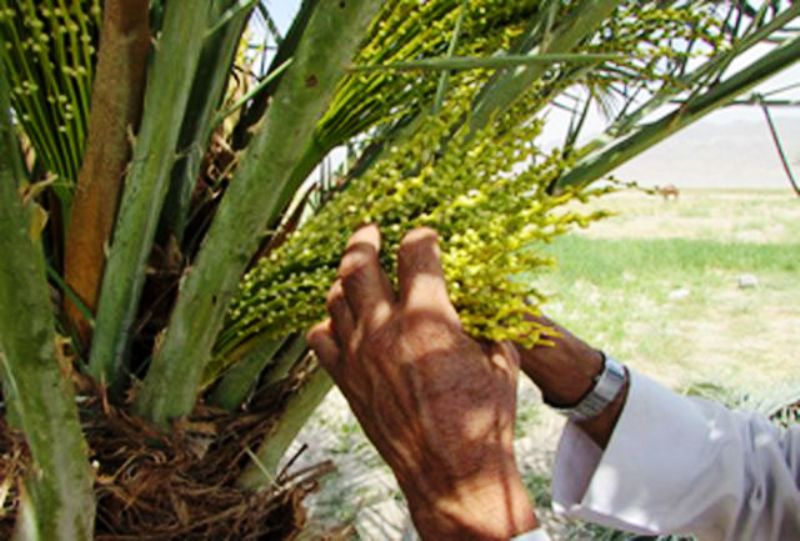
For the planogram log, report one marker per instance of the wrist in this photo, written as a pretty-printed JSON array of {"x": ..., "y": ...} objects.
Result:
[
  {"x": 601, "y": 427},
  {"x": 565, "y": 372},
  {"x": 496, "y": 509}
]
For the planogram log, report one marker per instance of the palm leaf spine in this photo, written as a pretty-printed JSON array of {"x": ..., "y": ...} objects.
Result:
[
  {"x": 441, "y": 88},
  {"x": 296, "y": 412},
  {"x": 199, "y": 122},
  {"x": 604, "y": 160},
  {"x": 583, "y": 21},
  {"x": 488, "y": 62},
  {"x": 698, "y": 74},
  {"x": 286, "y": 50}
]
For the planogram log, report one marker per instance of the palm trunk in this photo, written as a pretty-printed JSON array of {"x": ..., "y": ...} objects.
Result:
[{"x": 116, "y": 106}]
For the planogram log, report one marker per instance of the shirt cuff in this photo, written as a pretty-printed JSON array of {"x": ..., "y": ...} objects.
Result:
[{"x": 647, "y": 468}]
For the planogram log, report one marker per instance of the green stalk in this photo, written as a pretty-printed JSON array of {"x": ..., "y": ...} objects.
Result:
[
  {"x": 236, "y": 384},
  {"x": 236, "y": 9},
  {"x": 604, "y": 160},
  {"x": 488, "y": 62},
  {"x": 286, "y": 50},
  {"x": 168, "y": 89},
  {"x": 263, "y": 186},
  {"x": 441, "y": 88},
  {"x": 12, "y": 412},
  {"x": 61, "y": 504},
  {"x": 256, "y": 90},
  {"x": 296, "y": 413},
  {"x": 199, "y": 121},
  {"x": 288, "y": 359}
]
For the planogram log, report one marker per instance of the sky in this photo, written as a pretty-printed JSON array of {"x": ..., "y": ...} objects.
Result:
[{"x": 731, "y": 147}]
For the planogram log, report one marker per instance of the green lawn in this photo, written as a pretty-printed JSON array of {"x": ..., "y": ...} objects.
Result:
[
  {"x": 608, "y": 262},
  {"x": 673, "y": 308}
]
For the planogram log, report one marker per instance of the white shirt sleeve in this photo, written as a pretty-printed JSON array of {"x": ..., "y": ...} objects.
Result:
[{"x": 676, "y": 464}]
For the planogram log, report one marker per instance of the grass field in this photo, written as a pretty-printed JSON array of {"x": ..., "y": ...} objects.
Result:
[
  {"x": 670, "y": 303},
  {"x": 658, "y": 286}
]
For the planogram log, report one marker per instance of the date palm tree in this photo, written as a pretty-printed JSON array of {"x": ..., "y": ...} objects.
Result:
[{"x": 165, "y": 239}]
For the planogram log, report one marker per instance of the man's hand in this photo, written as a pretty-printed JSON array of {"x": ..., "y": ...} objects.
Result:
[{"x": 437, "y": 405}]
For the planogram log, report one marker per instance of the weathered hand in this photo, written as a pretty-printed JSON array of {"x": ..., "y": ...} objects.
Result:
[{"x": 438, "y": 405}]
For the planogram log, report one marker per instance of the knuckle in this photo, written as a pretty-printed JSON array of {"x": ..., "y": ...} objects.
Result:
[
  {"x": 354, "y": 262},
  {"x": 427, "y": 233},
  {"x": 419, "y": 234},
  {"x": 311, "y": 339},
  {"x": 335, "y": 297},
  {"x": 419, "y": 244},
  {"x": 353, "y": 276},
  {"x": 407, "y": 250},
  {"x": 312, "y": 335}
]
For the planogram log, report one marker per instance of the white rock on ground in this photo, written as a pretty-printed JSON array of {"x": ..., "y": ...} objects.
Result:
[
  {"x": 748, "y": 281},
  {"x": 679, "y": 294}
]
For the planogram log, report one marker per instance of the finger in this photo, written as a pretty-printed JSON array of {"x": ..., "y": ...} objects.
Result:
[
  {"x": 320, "y": 339},
  {"x": 545, "y": 330},
  {"x": 366, "y": 287},
  {"x": 342, "y": 318},
  {"x": 420, "y": 276}
]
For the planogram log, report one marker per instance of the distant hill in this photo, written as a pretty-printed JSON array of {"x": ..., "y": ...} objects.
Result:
[{"x": 732, "y": 148}]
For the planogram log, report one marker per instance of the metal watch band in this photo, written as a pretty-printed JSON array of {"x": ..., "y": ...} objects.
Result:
[{"x": 606, "y": 388}]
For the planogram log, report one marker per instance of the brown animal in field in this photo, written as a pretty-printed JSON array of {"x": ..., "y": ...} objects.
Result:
[{"x": 670, "y": 190}]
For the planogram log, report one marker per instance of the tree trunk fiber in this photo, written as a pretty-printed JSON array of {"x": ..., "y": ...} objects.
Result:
[{"x": 116, "y": 107}]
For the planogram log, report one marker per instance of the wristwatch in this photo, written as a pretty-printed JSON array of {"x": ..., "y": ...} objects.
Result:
[{"x": 607, "y": 386}]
